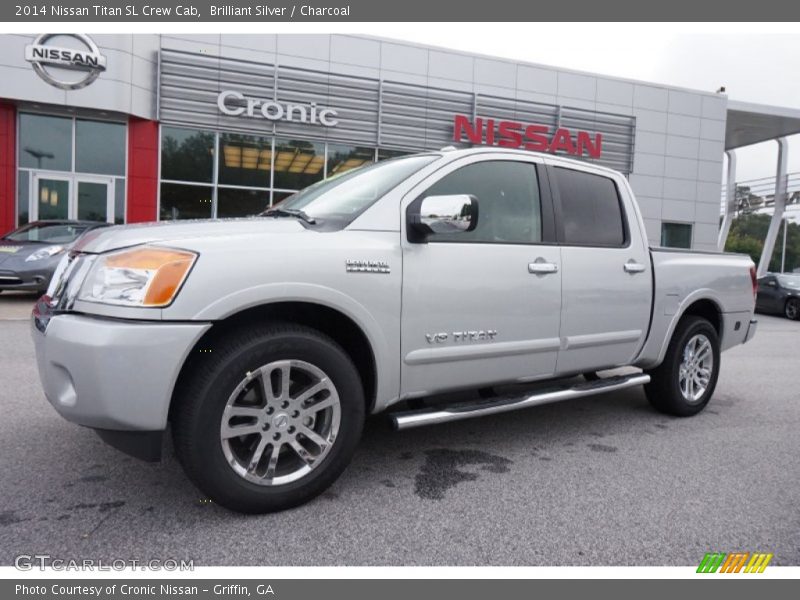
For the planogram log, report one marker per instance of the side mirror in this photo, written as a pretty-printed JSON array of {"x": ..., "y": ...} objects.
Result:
[
  {"x": 455, "y": 213},
  {"x": 771, "y": 284}
]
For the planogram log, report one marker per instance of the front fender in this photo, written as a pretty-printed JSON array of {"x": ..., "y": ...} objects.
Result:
[{"x": 384, "y": 352}]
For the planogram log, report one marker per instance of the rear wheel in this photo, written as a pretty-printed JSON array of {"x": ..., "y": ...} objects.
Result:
[
  {"x": 683, "y": 384},
  {"x": 791, "y": 309},
  {"x": 271, "y": 420}
]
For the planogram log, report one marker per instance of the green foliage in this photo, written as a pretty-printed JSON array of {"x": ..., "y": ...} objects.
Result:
[{"x": 747, "y": 236}]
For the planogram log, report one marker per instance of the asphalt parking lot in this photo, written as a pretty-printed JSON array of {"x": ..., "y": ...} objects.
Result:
[{"x": 598, "y": 481}]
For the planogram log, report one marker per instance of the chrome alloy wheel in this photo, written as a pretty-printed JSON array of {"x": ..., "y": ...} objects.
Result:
[
  {"x": 280, "y": 422},
  {"x": 694, "y": 375}
]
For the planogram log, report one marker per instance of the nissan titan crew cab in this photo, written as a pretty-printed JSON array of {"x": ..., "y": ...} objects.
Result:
[{"x": 264, "y": 342}]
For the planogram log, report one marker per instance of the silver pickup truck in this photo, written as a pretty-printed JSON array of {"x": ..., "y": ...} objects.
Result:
[{"x": 264, "y": 342}]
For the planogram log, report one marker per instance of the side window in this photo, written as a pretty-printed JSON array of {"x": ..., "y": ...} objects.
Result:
[
  {"x": 590, "y": 209},
  {"x": 509, "y": 206}
]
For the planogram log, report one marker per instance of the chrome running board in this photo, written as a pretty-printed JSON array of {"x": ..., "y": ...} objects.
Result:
[{"x": 501, "y": 404}]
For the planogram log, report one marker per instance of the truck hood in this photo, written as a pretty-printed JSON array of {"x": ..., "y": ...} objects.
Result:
[{"x": 172, "y": 232}]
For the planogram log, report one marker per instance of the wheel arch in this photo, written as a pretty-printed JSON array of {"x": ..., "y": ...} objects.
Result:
[
  {"x": 325, "y": 319},
  {"x": 707, "y": 309},
  {"x": 701, "y": 305}
]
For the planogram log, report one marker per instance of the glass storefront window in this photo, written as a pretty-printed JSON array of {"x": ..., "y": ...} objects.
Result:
[
  {"x": 385, "y": 153},
  {"x": 92, "y": 201},
  {"x": 53, "y": 198},
  {"x": 100, "y": 147},
  {"x": 298, "y": 164},
  {"x": 279, "y": 196},
  {"x": 45, "y": 142},
  {"x": 187, "y": 154},
  {"x": 185, "y": 201},
  {"x": 234, "y": 202},
  {"x": 23, "y": 197},
  {"x": 244, "y": 160},
  {"x": 343, "y": 158}
]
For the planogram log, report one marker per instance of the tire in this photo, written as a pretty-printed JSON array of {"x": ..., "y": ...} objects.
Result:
[
  {"x": 234, "y": 403},
  {"x": 668, "y": 391},
  {"x": 791, "y": 310}
]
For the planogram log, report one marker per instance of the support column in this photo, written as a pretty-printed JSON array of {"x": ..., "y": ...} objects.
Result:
[
  {"x": 8, "y": 167},
  {"x": 778, "y": 207},
  {"x": 142, "y": 193},
  {"x": 730, "y": 201}
]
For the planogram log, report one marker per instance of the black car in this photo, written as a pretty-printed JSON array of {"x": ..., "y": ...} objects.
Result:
[
  {"x": 29, "y": 255},
  {"x": 779, "y": 293}
]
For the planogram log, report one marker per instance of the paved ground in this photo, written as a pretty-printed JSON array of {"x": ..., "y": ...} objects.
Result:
[{"x": 601, "y": 481}]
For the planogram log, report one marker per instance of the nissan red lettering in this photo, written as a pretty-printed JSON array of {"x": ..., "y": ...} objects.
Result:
[{"x": 514, "y": 134}]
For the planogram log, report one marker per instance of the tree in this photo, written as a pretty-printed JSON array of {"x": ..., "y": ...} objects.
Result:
[
  {"x": 746, "y": 200},
  {"x": 747, "y": 235}
]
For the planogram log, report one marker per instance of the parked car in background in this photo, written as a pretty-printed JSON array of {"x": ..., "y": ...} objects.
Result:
[
  {"x": 29, "y": 255},
  {"x": 779, "y": 293}
]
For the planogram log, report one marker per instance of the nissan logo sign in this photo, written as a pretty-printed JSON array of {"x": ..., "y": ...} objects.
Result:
[
  {"x": 66, "y": 67},
  {"x": 235, "y": 104}
]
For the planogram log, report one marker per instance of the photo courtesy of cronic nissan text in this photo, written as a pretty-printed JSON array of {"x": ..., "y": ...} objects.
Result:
[{"x": 294, "y": 286}]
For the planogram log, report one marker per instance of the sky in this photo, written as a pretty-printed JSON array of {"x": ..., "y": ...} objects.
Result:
[{"x": 755, "y": 62}]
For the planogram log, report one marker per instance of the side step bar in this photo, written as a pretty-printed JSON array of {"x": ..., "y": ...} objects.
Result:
[{"x": 493, "y": 406}]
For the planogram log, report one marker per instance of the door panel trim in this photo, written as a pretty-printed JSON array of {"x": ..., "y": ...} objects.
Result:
[
  {"x": 601, "y": 339},
  {"x": 426, "y": 356}
]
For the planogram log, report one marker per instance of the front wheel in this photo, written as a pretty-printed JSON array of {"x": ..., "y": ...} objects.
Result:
[
  {"x": 271, "y": 420},
  {"x": 791, "y": 309},
  {"x": 683, "y": 384}
]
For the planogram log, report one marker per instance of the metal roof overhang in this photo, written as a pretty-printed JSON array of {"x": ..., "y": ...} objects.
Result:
[{"x": 750, "y": 123}]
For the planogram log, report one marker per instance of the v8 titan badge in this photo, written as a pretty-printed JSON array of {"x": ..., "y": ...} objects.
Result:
[{"x": 68, "y": 61}]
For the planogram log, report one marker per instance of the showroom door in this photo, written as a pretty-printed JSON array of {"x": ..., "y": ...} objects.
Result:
[
  {"x": 87, "y": 198},
  {"x": 50, "y": 197},
  {"x": 94, "y": 199}
]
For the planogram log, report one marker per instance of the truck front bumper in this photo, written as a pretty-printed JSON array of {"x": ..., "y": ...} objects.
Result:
[{"x": 108, "y": 374}]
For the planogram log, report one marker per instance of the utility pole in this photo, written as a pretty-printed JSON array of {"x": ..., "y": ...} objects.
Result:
[{"x": 783, "y": 252}]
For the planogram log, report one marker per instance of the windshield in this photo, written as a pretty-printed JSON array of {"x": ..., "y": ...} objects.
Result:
[
  {"x": 790, "y": 281},
  {"x": 345, "y": 196},
  {"x": 47, "y": 233}
]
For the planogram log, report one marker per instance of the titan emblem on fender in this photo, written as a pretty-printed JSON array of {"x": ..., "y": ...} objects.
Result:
[
  {"x": 462, "y": 336},
  {"x": 367, "y": 266}
]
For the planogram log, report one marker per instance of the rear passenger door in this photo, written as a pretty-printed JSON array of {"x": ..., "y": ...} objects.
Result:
[{"x": 606, "y": 277}]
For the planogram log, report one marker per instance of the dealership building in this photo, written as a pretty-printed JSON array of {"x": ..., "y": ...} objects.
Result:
[{"x": 131, "y": 128}]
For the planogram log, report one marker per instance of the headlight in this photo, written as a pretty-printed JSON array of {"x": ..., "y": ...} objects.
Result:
[
  {"x": 45, "y": 253},
  {"x": 143, "y": 276}
]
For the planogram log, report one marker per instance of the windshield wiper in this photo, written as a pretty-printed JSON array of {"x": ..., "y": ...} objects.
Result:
[{"x": 289, "y": 212}]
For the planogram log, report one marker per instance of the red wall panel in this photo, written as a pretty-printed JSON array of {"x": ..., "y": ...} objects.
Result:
[
  {"x": 8, "y": 166},
  {"x": 142, "y": 192}
]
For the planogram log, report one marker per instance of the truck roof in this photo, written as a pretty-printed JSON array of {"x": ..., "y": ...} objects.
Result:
[{"x": 451, "y": 150}]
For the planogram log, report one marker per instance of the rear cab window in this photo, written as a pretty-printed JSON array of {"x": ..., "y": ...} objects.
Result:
[{"x": 591, "y": 211}]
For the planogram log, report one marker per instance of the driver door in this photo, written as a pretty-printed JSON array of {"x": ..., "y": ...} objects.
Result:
[{"x": 479, "y": 307}]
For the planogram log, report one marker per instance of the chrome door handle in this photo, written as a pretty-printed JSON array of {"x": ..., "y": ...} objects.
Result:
[
  {"x": 542, "y": 268},
  {"x": 633, "y": 267}
]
